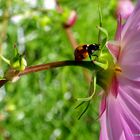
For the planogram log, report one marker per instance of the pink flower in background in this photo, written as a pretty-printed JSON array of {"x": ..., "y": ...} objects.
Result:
[
  {"x": 71, "y": 19},
  {"x": 121, "y": 107},
  {"x": 124, "y": 8}
]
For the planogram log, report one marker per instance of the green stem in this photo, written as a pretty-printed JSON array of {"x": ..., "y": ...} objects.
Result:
[{"x": 100, "y": 21}]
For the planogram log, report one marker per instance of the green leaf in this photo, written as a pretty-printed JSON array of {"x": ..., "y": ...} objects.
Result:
[
  {"x": 103, "y": 30},
  {"x": 88, "y": 103},
  {"x": 103, "y": 65},
  {"x": 92, "y": 89},
  {"x": 100, "y": 21},
  {"x": 5, "y": 59}
]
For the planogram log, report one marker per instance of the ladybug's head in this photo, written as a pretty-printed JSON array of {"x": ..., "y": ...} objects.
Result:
[{"x": 92, "y": 48}]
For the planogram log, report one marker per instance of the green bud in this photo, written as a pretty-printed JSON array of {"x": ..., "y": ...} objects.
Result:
[
  {"x": 19, "y": 63},
  {"x": 23, "y": 64}
]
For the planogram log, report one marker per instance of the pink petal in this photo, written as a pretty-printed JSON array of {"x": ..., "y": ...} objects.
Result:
[
  {"x": 130, "y": 107},
  {"x": 113, "y": 48},
  {"x": 112, "y": 124},
  {"x": 129, "y": 61},
  {"x": 121, "y": 120},
  {"x": 132, "y": 21},
  {"x": 125, "y": 8},
  {"x": 103, "y": 132},
  {"x": 129, "y": 58},
  {"x": 102, "y": 106},
  {"x": 119, "y": 28},
  {"x": 114, "y": 87},
  {"x": 129, "y": 92}
]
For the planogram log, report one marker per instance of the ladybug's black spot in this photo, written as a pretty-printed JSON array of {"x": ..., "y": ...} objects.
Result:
[{"x": 85, "y": 47}]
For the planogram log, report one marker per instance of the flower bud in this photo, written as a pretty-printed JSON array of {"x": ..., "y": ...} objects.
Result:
[
  {"x": 124, "y": 8},
  {"x": 71, "y": 19}
]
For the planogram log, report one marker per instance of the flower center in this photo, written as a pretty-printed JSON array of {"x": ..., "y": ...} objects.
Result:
[{"x": 118, "y": 69}]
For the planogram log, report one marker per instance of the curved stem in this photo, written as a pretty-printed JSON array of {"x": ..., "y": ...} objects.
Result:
[{"x": 41, "y": 67}]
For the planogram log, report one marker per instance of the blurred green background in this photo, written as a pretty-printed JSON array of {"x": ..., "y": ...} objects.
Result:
[{"x": 41, "y": 106}]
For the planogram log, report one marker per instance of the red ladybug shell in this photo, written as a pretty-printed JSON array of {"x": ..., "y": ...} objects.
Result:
[{"x": 80, "y": 53}]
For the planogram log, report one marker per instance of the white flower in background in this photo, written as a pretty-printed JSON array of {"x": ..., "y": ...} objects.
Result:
[
  {"x": 50, "y": 4},
  {"x": 32, "y": 3}
]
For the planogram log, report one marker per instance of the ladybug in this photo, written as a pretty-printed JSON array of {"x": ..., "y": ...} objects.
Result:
[{"x": 83, "y": 51}]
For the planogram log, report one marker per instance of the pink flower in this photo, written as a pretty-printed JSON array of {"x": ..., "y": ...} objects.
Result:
[
  {"x": 71, "y": 19},
  {"x": 124, "y": 8},
  {"x": 120, "y": 107}
]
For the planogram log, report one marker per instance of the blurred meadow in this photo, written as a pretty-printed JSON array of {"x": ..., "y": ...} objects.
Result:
[{"x": 41, "y": 106}]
